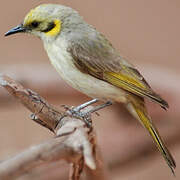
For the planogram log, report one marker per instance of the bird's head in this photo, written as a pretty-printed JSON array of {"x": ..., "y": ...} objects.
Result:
[{"x": 47, "y": 21}]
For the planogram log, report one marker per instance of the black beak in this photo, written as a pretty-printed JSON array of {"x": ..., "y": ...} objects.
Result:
[{"x": 15, "y": 30}]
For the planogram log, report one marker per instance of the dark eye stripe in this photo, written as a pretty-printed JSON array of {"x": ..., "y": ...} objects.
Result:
[
  {"x": 50, "y": 26},
  {"x": 35, "y": 24}
]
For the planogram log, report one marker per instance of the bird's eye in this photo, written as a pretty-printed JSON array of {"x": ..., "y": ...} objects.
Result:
[{"x": 35, "y": 24}]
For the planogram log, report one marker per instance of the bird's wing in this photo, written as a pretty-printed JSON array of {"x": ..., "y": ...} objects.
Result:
[{"x": 102, "y": 61}]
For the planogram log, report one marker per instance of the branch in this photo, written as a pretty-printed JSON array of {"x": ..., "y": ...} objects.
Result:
[{"x": 74, "y": 141}]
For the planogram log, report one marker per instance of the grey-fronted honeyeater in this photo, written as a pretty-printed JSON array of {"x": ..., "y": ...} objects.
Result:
[{"x": 87, "y": 61}]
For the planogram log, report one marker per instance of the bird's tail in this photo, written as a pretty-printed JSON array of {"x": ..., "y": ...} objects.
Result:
[{"x": 137, "y": 108}]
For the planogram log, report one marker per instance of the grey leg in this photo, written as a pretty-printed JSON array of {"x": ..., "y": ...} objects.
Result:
[
  {"x": 97, "y": 108},
  {"x": 82, "y": 106},
  {"x": 87, "y": 115}
]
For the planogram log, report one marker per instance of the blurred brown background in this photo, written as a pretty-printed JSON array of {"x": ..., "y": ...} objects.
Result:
[{"x": 147, "y": 33}]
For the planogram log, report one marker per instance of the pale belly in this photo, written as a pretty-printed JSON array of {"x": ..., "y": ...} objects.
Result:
[{"x": 85, "y": 83}]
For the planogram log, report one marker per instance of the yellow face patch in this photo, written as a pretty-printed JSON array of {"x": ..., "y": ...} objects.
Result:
[
  {"x": 57, "y": 28},
  {"x": 29, "y": 17},
  {"x": 45, "y": 23}
]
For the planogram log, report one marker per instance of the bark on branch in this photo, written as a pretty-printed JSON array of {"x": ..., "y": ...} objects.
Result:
[{"x": 74, "y": 141}]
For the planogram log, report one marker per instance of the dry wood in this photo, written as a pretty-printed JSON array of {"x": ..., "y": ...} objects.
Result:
[{"x": 74, "y": 141}]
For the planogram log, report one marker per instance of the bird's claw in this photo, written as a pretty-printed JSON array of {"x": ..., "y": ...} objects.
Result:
[{"x": 85, "y": 116}]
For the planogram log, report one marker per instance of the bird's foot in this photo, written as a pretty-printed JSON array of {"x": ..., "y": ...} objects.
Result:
[
  {"x": 77, "y": 112},
  {"x": 86, "y": 115}
]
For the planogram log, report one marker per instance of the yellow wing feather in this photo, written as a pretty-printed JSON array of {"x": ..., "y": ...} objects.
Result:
[
  {"x": 133, "y": 85},
  {"x": 119, "y": 78}
]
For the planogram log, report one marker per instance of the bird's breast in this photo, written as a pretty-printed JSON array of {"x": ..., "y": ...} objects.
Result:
[{"x": 61, "y": 59}]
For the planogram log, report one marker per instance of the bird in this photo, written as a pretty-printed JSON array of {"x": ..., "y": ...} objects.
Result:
[{"x": 88, "y": 62}]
